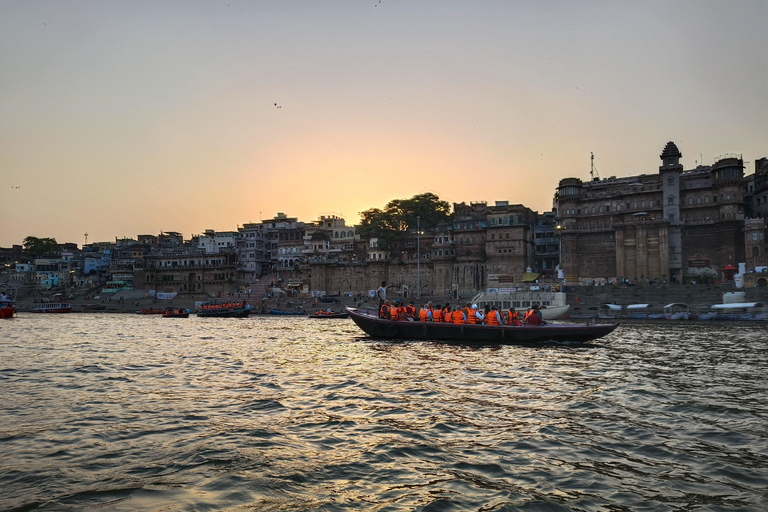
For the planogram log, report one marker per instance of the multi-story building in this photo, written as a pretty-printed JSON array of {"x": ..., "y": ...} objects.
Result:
[
  {"x": 653, "y": 226},
  {"x": 253, "y": 253}
]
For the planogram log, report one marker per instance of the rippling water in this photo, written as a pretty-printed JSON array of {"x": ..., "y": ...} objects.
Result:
[{"x": 131, "y": 412}]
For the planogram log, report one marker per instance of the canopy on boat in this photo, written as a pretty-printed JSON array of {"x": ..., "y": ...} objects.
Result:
[
  {"x": 676, "y": 304},
  {"x": 738, "y": 305},
  {"x": 636, "y": 306},
  {"x": 612, "y": 307}
]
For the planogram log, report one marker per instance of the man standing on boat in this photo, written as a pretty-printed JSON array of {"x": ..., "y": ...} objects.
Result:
[{"x": 381, "y": 293}]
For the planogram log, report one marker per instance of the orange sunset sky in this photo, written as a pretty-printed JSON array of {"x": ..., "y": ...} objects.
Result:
[{"x": 130, "y": 117}]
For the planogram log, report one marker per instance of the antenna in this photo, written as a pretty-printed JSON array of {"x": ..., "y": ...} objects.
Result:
[
  {"x": 593, "y": 171},
  {"x": 86, "y": 238}
]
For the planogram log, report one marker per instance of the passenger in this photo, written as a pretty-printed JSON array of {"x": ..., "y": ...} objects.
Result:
[
  {"x": 425, "y": 313},
  {"x": 437, "y": 314},
  {"x": 447, "y": 314},
  {"x": 459, "y": 317},
  {"x": 410, "y": 310},
  {"x": 535, "y": 317},
  {"x": 384, "y": 311},
  {"x": 473, "y": 315},
  {"x": 493, "y": 317},
  {"x": 512, "y": 318},
  {"x": 394, "y": 311}
]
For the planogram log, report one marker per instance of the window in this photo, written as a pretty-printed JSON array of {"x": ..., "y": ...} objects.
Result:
[
  {"x": 650, "y": 203},
  {"x": 593, "y": 209},
  {"x": 634, "y": 204},
  {"x": 601, "y": 209},
  {"x": 671, "y": 180},
  {"x": 728, "y": 197},
  {"x": 706, "y": 199},
  {"x": 618, "y": 207},
  {"x": 671, "y": 200},
  {"x": 698, "y": 200},
  {"x": 690, "y": 200},
  {"x": 642, "y": 205},
  {"x": 671, "y": 217}
]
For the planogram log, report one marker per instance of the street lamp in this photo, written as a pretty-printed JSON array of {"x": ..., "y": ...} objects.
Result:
[{"x": 418, "y": 257}]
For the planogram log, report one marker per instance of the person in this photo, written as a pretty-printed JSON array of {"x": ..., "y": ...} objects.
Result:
[
  {"x": 437, "y": 314},
  {"x": 395, "y": 311},
  {"x": 458, "y": 316},
  {"x": 425, "y": 313},
  {"x": 512, "y": 318},
  {"x": 381, "y": 293},
  {"x": 493, "y": 317},
  {"x": 447, "y": 314},
  {"x": 410, "y": 310},
  {"x": 534, "y": 318},
  {"x": 384, "y": 310}
]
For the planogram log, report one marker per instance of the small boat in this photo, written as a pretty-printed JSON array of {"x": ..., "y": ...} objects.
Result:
[
  {"x": 52, "y": 307},
  {"x": 377, "y": 327},
  {"x": 94, "y": 307},
  {"x": 7, "y": 307},
  {"x": 744, "y": 311},
  {"x": 224, "y": 310},
  {"x": 339, "y": 314},
  {"x": 677, "y": 311},
  {"x": 611, "y": 311},
  {"x": 282, "y": 312},
  {"x": 176, "y": 313},
  {"x": 150, "y": 311}
]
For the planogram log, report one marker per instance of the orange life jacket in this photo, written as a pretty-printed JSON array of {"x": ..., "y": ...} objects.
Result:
[
  {"x": 394, "y": 313},
  {"x": 384, "y": 312},
  {"x": 410, "y": 311},
  {"x": 424, "y": 314},
  {"x": 437, "y": 315},
  {"x": 492, "y": 318},
  {"x": 471, "y": 317},
  {"x": 458, "y": 317},
  {"x": 512, "y": 318}
]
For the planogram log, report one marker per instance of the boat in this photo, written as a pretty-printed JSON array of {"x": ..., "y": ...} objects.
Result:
[
  {"x": 609, "y": 311},
  {"x": 284, "y": 312},
  {"x": 642, "y": 312},
  {"x": 677, "y": 311},
  {"x": 52, "y": 307},
  {"x": 376, "y": 327},
  {"x": 550, "y": 299},
  {"x": 176, "y": 313},
  {"x": 224, "y": 310},
  {"x": 7, "y": 307},
  {"x": 94, "y": 307},
  {"x": 150, "y": 311},
  {"x": 744, "y": 311},
  {"x": 335, "y": 314}
]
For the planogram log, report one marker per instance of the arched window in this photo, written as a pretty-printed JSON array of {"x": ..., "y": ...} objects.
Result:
[
  {"x": 706, "y": 199},
  {"x": 671, "y": 217},
  {"x": 635, "y": 204},
  {"x": 671, "y": 180},
  {"x": 690, "y": 200},
  {"x": 698, "y": 200},
  {"x": 671, "y": 200}
]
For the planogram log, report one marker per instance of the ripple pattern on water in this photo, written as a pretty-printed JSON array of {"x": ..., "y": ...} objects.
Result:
[{"x": 133, "y": 412}]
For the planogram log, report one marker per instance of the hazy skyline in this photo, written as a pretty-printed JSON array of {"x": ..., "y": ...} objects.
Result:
[{"x": 121, "y": 118}]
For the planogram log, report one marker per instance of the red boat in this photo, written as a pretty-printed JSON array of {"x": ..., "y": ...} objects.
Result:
[
  {"x": 52, "y": 307},
  {"x": 7, "y": 307}
]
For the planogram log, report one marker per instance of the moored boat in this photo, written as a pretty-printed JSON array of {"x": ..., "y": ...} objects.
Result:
[
  {"x": 377, "y": 327},
  {"x": 550, "y": 299},
  {"x": 52, "y": 307},
  {"x": 283, "y": 312},
  {"x": 7, "y": 307},
  {"x": 743, "y": 311},
  {"x": 150, "y": 311}
]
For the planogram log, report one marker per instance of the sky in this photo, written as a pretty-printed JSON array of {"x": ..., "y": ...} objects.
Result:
[{"x": 120, "y": 118}]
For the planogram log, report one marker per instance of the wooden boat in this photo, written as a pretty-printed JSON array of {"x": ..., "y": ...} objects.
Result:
[
  {"x": 226, "y": 310},
  {"x": 52, "y": 307},
  {"x": 176, "y": 313},
  {"x": 339, "y": 314},
  {"x": 94, "y": 307},
  {"x": 282, "y": 312},
  {"x": 369, "y": 322},
  {"x": 150, "y": 311},
  {"x": 7, "y": 307}
]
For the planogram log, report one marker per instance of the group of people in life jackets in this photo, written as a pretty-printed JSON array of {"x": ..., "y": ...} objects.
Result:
[{"x": 469, "y": 314}]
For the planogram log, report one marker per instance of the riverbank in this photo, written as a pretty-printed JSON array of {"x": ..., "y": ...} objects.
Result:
[{"x": 582, "y": 299}]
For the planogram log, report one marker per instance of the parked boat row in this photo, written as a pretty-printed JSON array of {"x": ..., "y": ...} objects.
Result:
[{"x": 735, "y": 311}]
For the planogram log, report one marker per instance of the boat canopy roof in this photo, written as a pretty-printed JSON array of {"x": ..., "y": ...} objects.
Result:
[
  {"x": 638, "y": 306},
  {"x": 678, "y": 304},
  {"x": 738, "y": 305},
  {"x": 612, "y": 307}
]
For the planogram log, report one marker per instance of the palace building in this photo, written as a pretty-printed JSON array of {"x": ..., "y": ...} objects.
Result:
[{"x": 653, "y": 226}]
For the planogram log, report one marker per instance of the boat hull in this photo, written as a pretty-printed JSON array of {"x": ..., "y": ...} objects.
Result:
[
  {"x": 52, "y": 308},
  {"x": 333, "y": 315},
  {"x": 7, "y": 311},
  {"x": 467, "y": 333},
  {"x": 231, "y": 313},
  {"x": 279, "y": 312}
]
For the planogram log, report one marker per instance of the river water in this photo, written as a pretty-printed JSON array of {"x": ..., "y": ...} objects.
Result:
[{"x": 126, "y": 412}]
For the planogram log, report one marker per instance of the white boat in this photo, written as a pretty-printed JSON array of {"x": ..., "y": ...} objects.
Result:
[
  {"x": 676, "y": 311},
  {"x": 743, "y": 311},
  {"x": 609, "y": 310},
  {"x": 51, "y": 307},
  {"x": 642, "y": 312},
  {"x": 521, "y": 298}
]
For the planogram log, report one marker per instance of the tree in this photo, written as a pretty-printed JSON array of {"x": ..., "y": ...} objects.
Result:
[
  {"x": 400, "y": 216},
  {"x": 41, "y": 247}
]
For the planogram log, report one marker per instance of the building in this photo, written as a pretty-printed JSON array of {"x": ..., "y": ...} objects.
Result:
[{"x": 660, "y": 226}]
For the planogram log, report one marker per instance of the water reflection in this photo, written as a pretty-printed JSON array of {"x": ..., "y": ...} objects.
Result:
[{"x": 135, "y": 413}]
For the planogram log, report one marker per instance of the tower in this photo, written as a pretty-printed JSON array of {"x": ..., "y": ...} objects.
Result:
[{"x": 670, "y": 171}]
